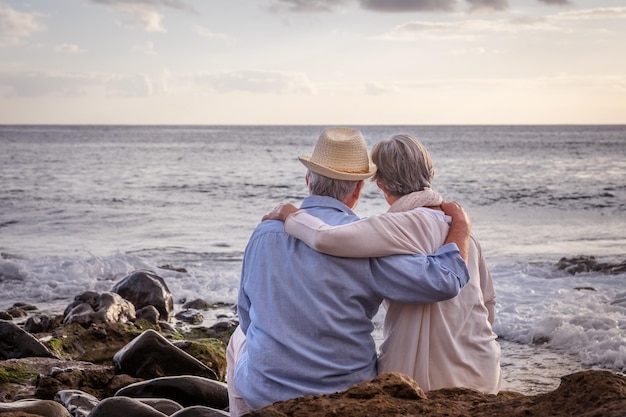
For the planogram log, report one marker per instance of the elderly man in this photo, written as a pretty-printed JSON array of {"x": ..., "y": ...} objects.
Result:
[{"x": 305, "y": 317}]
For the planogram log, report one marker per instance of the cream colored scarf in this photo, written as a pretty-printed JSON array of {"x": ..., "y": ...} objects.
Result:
[{"x": 425, "y": 198}]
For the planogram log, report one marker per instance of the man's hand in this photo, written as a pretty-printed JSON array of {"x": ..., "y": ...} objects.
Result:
[
  {"x": 281, "y": 212},
  {"x": 459, "y": 229}
]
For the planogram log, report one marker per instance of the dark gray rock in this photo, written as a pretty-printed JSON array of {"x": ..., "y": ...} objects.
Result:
[
  {"x": 584, "y": 263},
  {"x": 150, "y": 355},
  {"x": 124, "y": 406},
  {"x": 91, "y": 307},
  {"x": 199, "y": 411},
  {"x": 17, "y": 312},
  {"x": 190, "y": 316},
  {"x": 145, "y": 288},
  {"x": 167, "y": 327},
  {"x": 16, "y": 343},
  {"x": 222, "y": 330},
  {"x": 32, "y": 407},
  {"x": 149, "y": 314},
  {"x": 24, "y": 306},
  {"x": 77, "y": 402},
  {"x": 197, "y": 304},
  {"x": 165, "y": 406},
  {"x": 42, "y": 323},
  {"x": 186, "y": 390}
]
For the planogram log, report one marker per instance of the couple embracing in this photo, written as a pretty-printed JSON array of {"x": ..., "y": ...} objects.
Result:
[{"x": 310, "y": 286}]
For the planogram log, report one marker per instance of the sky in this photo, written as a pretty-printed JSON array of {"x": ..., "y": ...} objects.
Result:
[{"x": 318, "y": 62}]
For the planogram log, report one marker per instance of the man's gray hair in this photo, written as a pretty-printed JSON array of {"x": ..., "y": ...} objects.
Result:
[{"x": 329, "y": 187}]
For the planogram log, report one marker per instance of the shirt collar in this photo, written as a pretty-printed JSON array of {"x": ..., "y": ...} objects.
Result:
[{"x": 314, "y": 201}]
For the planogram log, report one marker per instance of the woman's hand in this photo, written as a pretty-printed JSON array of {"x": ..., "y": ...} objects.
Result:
[
  {"x": 281, "y": 212},
  {"x": 459, "y": 229}
]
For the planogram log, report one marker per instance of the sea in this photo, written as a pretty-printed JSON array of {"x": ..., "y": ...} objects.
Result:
[{"x": 83, "y": 206}]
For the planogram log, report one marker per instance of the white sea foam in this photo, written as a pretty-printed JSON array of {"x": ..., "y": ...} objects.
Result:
[
  {"x": 55, "y": 281},
  {"x": 580, "y": 315}
]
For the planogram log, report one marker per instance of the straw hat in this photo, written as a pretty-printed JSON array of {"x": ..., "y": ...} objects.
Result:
[{"x": 340, "y": 153}]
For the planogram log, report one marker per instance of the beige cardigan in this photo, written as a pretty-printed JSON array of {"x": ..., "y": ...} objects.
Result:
[{"x": 444, "y": 344}]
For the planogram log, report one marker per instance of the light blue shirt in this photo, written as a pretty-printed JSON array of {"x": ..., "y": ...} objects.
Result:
[{"x": 307, "y": 316}]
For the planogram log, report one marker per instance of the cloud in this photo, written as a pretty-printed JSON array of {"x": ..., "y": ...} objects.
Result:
[
  {"x": 15, "y": 25},
  {"x": 148, "y": 19},
  {"x": 465, "y": 29},
  {"x": 206, "y": 32},
  {"x": 305, "y": 6},
  {"x": 142, "y": 12},
  {"x": 556, "y": 2},
  {"x": 396, "y": 6},
  {"x": 256, "y": 81},
  {"x": 598, "y": 13},
  {"x": 68, "y": 48},
  {"x": 34, "y": 84},
  {"x": 174, "y": 4},
  {"x": 488, "y": 5},
  {"x": 408, "y": 5}
]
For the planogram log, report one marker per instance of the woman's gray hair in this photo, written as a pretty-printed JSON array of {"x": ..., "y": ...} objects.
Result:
[
  {"x": 404, "y": 165},
  {"x": 338, "y": 189}
]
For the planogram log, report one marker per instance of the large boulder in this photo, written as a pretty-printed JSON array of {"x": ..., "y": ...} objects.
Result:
[
  {"x": 91, "y": 307},
  {"x": 33, "y": 408},
  {"x": 16, "y": 343},
  {"x": 200, "y": 411},
  {"x": 150, "y": 355},
  {"x": 144, "y": 288},
  {"x": 186, "y": 390},
  {"x": 123, "y": 406}
]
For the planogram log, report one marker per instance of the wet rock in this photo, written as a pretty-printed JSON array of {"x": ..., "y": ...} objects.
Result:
[
  {"x": 32, "y": 408},
  {"x": 16, "y": 312},
  {"x": 165, "y": 406},
  {"x": 587, "y": 393},
  {"x": 149, "y": 314},
  {"x": 91, "y": 307},
  {"x": 211, "y": 352},
  {"x": 97, "y": 380},
  {"x": 199, "y": 411},
  {"x": 186, "y": 390},
  {"x": 42, "y": 323},
  {"x": 222, "y": 330},
  {"x": 16, "y": 343},
  {"x": 25, "y": 306},
  {"x": 197, "y": 304},
  {"x": 190, "y": 316},
  {"x": 97, "y": 343},
  {"x": 5, "y": 316},
  {"x": 144, "y": 288},
  {"x": 118, "y": 406},
  {"x": 172, "y": 268},
  {"x": 77, "y": 402},
  {"x": 150, "y": 355},
  {"x": 167, "y": 327},
  {"x": 585, "y": 263}
]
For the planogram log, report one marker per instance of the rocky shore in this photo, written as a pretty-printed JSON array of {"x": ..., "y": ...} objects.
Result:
[{"x": 124, "y": 353}]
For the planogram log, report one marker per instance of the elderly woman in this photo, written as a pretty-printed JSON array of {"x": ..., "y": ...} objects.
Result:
[{"x": 440, "y": 345}]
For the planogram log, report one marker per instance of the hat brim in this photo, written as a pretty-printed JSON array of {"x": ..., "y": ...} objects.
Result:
[{"x": 334, "y": 174}]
